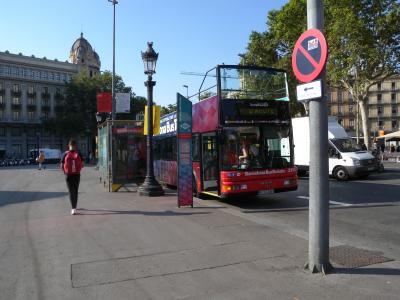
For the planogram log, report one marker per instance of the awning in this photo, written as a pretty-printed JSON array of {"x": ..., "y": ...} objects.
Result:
[{"x": 394, "y": 136}]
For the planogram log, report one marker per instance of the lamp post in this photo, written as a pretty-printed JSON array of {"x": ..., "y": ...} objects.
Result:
[
  {"x": 187, "y": 90},
  {"x": 113, "y": 71},
  {"x": 150, "y": 186}
]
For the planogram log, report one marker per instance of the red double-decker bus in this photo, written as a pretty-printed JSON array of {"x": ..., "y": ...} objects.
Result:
[{"x": 242, "y": 135}]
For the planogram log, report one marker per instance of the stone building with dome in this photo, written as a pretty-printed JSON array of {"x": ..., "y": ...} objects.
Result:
[{"x": 30, "y": 88}]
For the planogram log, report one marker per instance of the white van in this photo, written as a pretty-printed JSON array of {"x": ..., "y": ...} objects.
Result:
[
  {"x": 51, "y": 155},
  {"x": 346, "y": 158}
]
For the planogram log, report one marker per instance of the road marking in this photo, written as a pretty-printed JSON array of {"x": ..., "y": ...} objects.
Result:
[
  {"x": 330, "y": 201},
  {"x": 355, "y": 204}
]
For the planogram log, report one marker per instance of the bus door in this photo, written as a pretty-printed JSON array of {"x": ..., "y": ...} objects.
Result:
[{"x": 209, "y": 160}]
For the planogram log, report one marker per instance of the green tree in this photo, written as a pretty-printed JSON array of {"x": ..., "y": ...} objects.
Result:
[
  {"x": 363, "y": 38},
  {"x": 168, "y": 109},
  {"x": 76, "y": 110}
]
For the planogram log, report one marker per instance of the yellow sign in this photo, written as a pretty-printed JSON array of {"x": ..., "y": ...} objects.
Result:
[{"x": 156, "y": 119}]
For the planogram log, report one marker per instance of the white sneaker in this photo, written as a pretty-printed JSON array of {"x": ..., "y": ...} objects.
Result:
[{"x": 73, "y": 211}]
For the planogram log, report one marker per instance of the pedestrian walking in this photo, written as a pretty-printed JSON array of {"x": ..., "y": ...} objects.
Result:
[
  {"x": 40, "y": 159},
  {"x": 72, "y": 164}
]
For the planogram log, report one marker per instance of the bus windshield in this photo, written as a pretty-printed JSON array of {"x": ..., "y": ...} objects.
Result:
[
  {"x": 256, "y": 147},
  {"x": 251, "y": 83}
]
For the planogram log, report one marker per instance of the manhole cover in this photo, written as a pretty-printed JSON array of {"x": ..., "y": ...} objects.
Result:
[{"x": 351, "y": 257}]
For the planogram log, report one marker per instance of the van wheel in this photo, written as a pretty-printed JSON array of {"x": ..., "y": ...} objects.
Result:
[{"x": 341, "y": 174}]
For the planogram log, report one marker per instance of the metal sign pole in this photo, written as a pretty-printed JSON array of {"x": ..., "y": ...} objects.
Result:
[{"x": 318, "y": 258}]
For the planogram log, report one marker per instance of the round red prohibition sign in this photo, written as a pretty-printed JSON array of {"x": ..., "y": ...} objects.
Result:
[{"x": 309, "y": 55}]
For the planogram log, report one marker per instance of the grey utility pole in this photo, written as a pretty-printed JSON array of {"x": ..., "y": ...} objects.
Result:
[{"x": 318, "y": 245}]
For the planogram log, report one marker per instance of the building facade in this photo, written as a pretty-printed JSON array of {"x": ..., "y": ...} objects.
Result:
[
  {"x": 30, "y": 90},
  {"x": 382, "y": 110}
]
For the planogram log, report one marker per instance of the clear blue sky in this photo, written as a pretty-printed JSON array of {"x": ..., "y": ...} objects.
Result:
[{"x": 189, "y": 35}]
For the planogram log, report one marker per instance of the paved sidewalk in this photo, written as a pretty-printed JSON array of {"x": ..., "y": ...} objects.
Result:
[{"x": 123, "y": 246}]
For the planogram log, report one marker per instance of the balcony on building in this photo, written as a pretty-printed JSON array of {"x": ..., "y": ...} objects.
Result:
[
  {"x": 16, "y": 104},
  {"x": 45, "y": 95},
  {"x": 45, "y": 107},
  {"x": 31, "y": 95},
  {"x": 58, "y": 96},
  {"x": 16, "y": 93}
]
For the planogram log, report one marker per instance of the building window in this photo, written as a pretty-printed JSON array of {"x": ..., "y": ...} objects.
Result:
[
  {"x": 31, "y": 132},
  {"x": 31, "y": 101},
  {"x": 16, "y": 87},
  {"x": 393, "y": 86},
  {"x": 379, "y": 123},
  {"x": 340, "y": 110},
  {"x": 351, "y": 123},
  {"x": 380, "y": 110},
  {"x": 45, "y": 115},
  {"x": 32, "y": 147},
  {"x": 394, "y": 124},
  {"x": 16, "y": 100},
  {"x": 31, "y": 89},
  {"x": 379, "y": 86},
  {"x": 31, "y": 115},
  {"x": 379, "y": 97},
  {"x": 339, "y": 96},
  {"x": 45, "y": 102},
  {"x": 394, "y": 109},
  {"x": 1, "y": 86},
  {"x": 350, "y": 108},
  {"x": 16, "y": 150},
  {"x": 393, "y": 97},
  {"x": 16, "y": 131},
  {"x": 1, "y": 99},
  {"x": 1, "y": 114},
  {"x": 2, "y": 131},
  {"x": 16, "y": 115},
  {"x": 51, "y": 76}
]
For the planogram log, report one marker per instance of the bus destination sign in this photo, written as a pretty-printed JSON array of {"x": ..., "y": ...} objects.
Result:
[{"x": 251, "y": 111}]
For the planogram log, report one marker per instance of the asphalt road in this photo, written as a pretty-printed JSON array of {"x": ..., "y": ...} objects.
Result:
[
  {"x": 363, "y": 213},
  {"x": 122, "y": 246}
]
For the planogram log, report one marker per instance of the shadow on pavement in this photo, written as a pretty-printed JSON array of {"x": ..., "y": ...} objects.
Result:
[
  {"x": 12, "y": 197},
  {"x": 366, "y": 271},
  {"x": 166, "y": 213}
]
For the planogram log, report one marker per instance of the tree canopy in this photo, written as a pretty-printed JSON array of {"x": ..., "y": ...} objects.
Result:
[
  {"x": 363, "y": 38},
  {"x": 76, "y": 109}
]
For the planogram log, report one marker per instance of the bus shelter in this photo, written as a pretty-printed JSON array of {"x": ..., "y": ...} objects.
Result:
[{"x": 121, "y": 153}]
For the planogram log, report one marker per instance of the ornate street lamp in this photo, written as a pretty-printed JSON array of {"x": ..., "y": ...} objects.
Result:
[{"x": 150, "y": 186}]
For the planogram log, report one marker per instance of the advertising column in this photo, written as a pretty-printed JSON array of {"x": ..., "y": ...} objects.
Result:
[{"x": 185, "y": 189}]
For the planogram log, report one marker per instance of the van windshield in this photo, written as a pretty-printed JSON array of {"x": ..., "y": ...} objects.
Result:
[{"x": 346, "y": 145}]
